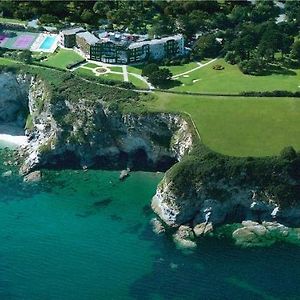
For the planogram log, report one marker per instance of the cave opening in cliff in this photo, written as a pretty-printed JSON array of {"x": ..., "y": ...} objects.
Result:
[
  {"x": 13, "y": 105},
  {"x": 237, "y": 214}
]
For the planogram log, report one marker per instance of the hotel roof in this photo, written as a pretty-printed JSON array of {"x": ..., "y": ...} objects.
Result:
[
  {"x": 89, "y": 37},
  {"x": 72, "y": 30},
  {"x": 155, "y": 41}
]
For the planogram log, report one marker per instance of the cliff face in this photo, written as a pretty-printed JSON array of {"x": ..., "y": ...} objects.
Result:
[
  {"x": 198, "y": 206},
  {"x": 90, "y": 131},
  {"x": 14, "y": 98},
  {"x": 94, "y": 134}
]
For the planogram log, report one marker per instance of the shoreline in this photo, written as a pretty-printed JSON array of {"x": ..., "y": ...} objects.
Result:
[{"x": 13, "y": 140}]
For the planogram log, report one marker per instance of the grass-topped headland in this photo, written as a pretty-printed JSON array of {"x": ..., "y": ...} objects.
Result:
[
  {"x": 235, "y": 126},
  {"x": 277, "y": 175},
  {"x": 238, "y": 126}
]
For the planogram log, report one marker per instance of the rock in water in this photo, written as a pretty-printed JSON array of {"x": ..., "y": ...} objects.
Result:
[
  {"x": 254, "y": 234},
  {"x": 35, "y": 176},
  {"x": 157, "y": 226},
  {"x": 7, "y": 174},
  {"x": 203, "y": 229},
  {"x": 124, "y": 174},
  {"x": 184, "y": 238}
]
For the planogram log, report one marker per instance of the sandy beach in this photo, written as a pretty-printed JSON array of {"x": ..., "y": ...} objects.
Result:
[{"x": 12, "y": 135}]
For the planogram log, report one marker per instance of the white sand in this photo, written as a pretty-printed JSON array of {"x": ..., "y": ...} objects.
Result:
[
  {"x": 17, "y": 140},
  {"x": 12, "y": 134}
]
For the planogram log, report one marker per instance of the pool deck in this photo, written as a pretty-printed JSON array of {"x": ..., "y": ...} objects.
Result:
[{"x": 36, "y": 46}]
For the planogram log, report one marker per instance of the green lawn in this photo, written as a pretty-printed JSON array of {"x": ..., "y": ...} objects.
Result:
[
  {"x": 135, "y": 69},
  {"x": 137, "y": 82},
  {"x": 239, "y": 126},
  {"x": 115, "y": 69},
  {"x": 12, "y": 21},
  {"x": 83, "y": 71},
  {"x": 62, "y": 58},
  {"x": 113, "y": 76},
  {"x": 181, "y": 69},
  {"x": 8, "y": 62},
  {"x": 232, "y": 80},
  {"x": 91, "y": 65}
]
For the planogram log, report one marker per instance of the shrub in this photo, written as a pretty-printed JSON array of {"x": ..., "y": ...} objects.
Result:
[
  {"x": 218, "y": 67},
  {"x": 253, "y": 66},
  {"x": 288, "y": 153},
  {"x": 149, "y": 69},
  {"x": 232, "y": 58},
  {"x": 270, "y": 94}
]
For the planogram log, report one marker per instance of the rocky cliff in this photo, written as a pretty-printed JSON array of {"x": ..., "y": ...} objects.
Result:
[
  {"x": 82, "y": 125},
  {"x": 73, "y": 132},
  {"x": 14, "y": 99}
]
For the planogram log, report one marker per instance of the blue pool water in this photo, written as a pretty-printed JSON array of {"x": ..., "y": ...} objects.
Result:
[{"x": 47, "y": 43}]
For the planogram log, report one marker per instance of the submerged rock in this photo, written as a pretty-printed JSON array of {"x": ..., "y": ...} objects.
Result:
[
  {"x": 35, "y": 176},
  {"x": 157, "y": 226},
  {"x": 124, "y": 174},
  {"x": 102, "y": 203},
  {"x": 253, "y": 234},
  {"x": 184, "y": 238},
  {"x": 7, "y": 174},
  {"x": 203, "y": 229}
]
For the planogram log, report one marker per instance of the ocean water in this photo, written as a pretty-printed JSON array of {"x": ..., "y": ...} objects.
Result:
[{"x": 86, "y": 235}]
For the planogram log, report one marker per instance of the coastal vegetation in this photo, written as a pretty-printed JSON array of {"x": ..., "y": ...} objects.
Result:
[{"x": 278, "y": 175}]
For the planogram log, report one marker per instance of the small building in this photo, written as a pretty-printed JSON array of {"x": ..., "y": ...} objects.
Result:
[
  {"x": 84, "y": 41},
  {"x": 67, "y": 37}
]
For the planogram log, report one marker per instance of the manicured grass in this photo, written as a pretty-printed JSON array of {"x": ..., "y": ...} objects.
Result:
[
  {"x": 62, "y": 58},
  {"x": 232, "y": 80},
  {"x": 113, "y": 76},
  {"x": 12, "y": 21},
  {"x": 91, "y": 65},
  {"x": 115, "y": 69},
  {"x": 183, "y": 68},
  {"x": 8, "y": 62},
  {"x": 83, "y": 71},
  {"x": 238, "y": 126},
  {"x": 137, "y": 82},
  {"x": 135, "y": 69}
]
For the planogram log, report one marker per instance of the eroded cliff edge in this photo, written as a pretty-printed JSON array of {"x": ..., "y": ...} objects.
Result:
[{"x": 78, "y": 124}]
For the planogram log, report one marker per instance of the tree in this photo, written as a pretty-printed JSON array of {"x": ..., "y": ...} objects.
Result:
[
  {"x": 295, "y": 53},
  {"x": 26, "y": 56},
  {"x": 285, "y": 43},
  {"x": 149, "y": 69},
  {"x": 48, "y": 19},
  {"x": 88, "y": 17},
  {"x": 160, "y": 77},
  {"x": 253, "y": 66},
  {"x": 207, "y": 46}
]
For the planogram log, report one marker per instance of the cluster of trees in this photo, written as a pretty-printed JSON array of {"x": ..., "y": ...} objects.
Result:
[
  {"x": 248, "y": 33},
  {"x": 255, "y": 35},
  {"x": 156, "y": 75}
]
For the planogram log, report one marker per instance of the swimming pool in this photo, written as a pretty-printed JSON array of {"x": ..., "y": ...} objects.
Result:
[{"x": 47, "y": 43}]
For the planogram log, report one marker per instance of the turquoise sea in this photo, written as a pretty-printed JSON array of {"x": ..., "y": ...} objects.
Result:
[{"x": 86, "y": 235}]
